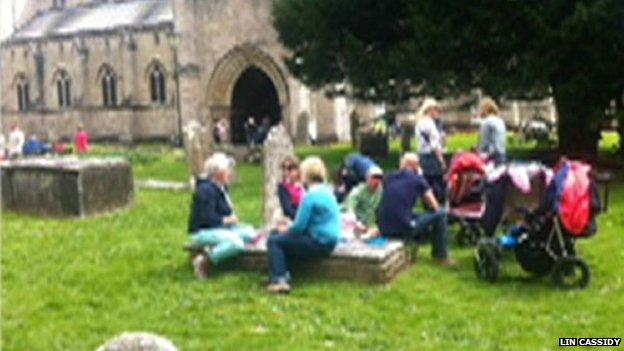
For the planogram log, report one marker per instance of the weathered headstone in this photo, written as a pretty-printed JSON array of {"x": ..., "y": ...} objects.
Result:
[
  {"x": 374, "y": 145},
  {"x": 66, "y": 187},
  {"x": 302, "y": 135},
  {"x": 198, "y": 146},
  {"x": 277, "y": 147},
  {"x": 138, "y": 342},
  {"x": 407, "y": 133},
  {"x": 354, "y": 128}
]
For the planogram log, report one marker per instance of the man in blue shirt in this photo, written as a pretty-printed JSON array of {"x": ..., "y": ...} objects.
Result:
[{"x": 402, "y": 189}]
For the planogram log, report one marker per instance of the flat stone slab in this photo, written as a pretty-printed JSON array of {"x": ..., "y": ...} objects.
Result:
[
  {"x": 350, "y": 261},
  {"x": 154, "y": 184},
  {"x": 66, "y": 186}
]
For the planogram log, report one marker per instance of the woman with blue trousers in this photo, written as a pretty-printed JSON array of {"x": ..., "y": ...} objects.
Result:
[
  {"x": 216, "y": 232},
  {"x": 314, "y": 232}
]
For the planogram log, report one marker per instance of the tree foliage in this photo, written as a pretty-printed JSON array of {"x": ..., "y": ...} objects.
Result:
[{"x": 571, "y": 50}]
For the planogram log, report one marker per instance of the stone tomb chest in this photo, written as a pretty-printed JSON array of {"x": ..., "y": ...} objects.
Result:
[
  {"x": 66, "y": 187},
  {"x": 351, "y": 261}
]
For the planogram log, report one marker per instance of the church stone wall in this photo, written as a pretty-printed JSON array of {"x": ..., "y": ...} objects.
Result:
[
  {"x": 210, "y": 43},
  {"x": 131, "y": 55}
]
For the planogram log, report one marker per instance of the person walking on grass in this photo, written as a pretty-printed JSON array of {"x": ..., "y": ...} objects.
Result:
[
  {"x": 402, "y": 190},
  {"x": 216, "y": 232},
  {"x": 314, "y": 232}
]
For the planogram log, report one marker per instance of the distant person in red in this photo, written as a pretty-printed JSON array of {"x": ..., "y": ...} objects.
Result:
[{"x": 82, "y": 140}]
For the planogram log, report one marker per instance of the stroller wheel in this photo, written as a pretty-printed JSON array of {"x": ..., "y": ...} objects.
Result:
[
  {"x": 487, "y": 260},
  {"x": 468, "y": 235},
  {"x": 462, "y": 237},
  {"x": 571, "y": 273}
]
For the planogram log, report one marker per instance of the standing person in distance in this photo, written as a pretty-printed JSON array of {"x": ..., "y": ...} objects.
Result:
[{"x": 431, "y": 147}]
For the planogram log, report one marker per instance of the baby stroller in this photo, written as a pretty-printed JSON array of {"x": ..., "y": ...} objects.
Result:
[
  {"x": 545, "y": 243},
  {"x": 466, "y": 181}
]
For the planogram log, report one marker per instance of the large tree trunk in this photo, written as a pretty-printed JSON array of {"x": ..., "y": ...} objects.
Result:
[
  {"x": 620, "y": 131},
  {"x": 578, "y": 127}
]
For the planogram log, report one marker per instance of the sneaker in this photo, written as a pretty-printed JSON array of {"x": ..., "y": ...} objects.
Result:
[
  {"x": 278, "y": 288},
  {"x": 201, "y": 265}
]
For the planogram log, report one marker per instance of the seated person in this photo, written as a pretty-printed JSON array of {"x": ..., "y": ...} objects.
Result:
[
  {"x": 363, "y": 201},
  {"x": 290, "y": 191},
  {"x": 402, "y": 189},
  {"x": 215, "y": 229},
  {"x": 359, "y": 165},
  {"x": 314, "y": 233},
  {"x": 34, "y": 146},
  {"x": 61, "y": 147},
  {"x": 353, "y": 172}
]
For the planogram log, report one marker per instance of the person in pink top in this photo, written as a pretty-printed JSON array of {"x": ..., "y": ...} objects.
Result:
[
  {"x": 290, "y": 191},
  {"x": 82, "y": 140}
]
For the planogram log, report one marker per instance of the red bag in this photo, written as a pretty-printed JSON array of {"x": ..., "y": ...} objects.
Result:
[{"x": 575, "y": 201}]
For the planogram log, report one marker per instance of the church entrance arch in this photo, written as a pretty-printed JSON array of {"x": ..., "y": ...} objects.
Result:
[{"x": 247, "y": 83}]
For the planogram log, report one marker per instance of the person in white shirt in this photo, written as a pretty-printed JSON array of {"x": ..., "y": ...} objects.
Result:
[
  {"x": 431, "y": 147},
  {"x": 2, "y": 147},
  {"x": 15, "y": 144}
]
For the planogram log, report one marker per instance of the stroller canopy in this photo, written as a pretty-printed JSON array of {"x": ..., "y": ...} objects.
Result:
[
  {"x": 467, "y": 169},
  {"x": 467, "y": 161}
]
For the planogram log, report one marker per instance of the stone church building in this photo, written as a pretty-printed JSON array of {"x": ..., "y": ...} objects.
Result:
[{"x": 139, "y": 70}]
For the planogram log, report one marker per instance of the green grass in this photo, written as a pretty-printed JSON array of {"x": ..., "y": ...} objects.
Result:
[
  {"x": 150, "y": 160},
  {"x": 72, "y": 284}
]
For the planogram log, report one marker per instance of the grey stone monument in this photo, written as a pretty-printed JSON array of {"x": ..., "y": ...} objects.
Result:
[
  {"x": 198, "y": 146},
  {"x": 277, "y": 147},
  {"x": 66, "y": 187},
  {"x": 302, "y": 135}
]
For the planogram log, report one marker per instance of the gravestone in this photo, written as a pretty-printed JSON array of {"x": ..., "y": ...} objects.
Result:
[
  {"x": 198, "y": 146},
  {"x": 374, "y": 145},
  {"x": 277, "y": 147},
  {"x": 138, "y": 342},
  {"x": 66, "y": 187},
  {"x": 302, "y": 135}
]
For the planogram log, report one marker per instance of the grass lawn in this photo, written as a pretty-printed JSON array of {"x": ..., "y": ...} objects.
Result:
[{"x": 72, "y": 284}]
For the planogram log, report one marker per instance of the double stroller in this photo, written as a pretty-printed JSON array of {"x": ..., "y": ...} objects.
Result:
[
  {"x": 482, "y": 198},
  {"x": 545, "y": 241}
]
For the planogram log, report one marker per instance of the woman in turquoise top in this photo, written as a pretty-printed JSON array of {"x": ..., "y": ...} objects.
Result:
[{"x": 315, "y": 231}]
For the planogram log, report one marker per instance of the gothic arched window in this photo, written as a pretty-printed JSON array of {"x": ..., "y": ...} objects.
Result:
[
  {"x": 158, "y": 85},
  {"x": 63, "y": 89},
  {"x": 23, "y": 93},
  {"x": 109, "y": 88}
]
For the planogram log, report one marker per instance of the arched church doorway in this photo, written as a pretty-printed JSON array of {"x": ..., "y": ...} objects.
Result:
[{"x": 254, "y": 96}]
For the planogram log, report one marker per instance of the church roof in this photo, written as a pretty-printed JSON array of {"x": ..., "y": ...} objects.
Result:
[{"x": 97, "y": 17}]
